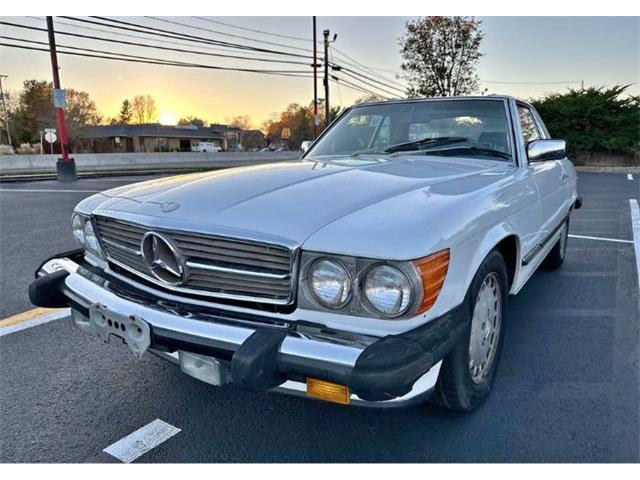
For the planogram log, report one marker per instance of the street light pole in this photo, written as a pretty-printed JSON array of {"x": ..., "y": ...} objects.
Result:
[
  {"x": 66, "y": 167},
  {"x": 4, "y": 108}
]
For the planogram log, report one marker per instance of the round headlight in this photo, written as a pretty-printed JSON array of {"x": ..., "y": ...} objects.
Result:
[
  {"x": 90, "y": 240},
  {"x": 77, "y": 225},
  {"x": 329, "y": 283},
  {"x": 388, "y": 290}
]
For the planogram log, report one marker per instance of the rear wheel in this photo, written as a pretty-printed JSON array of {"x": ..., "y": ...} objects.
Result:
[
  {"x": 555, "y": 258},
  {"x": 468, "y": 372}
]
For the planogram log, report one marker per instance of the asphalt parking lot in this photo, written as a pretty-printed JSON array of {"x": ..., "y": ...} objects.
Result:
[{"x": 567, "y": 389}]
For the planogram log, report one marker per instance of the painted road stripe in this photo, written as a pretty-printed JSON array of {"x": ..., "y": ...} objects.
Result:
[
  {"x": 141, "y": 441},
  {"x": 635, "y": 225},
  {"x": 603, "y": 239},
  {"x": 45, "y": 190},
  {"x": 629, "y": 176},
  {"x": 31, "y": 318}
]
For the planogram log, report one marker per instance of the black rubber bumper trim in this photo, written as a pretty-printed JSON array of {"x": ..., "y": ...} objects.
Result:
[
  {"x": 386, "y": 369},
  {"x": 389, "y": 367},
  {"x": 46, "y": 291}
]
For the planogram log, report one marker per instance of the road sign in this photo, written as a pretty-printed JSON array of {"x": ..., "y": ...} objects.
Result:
[
  {"x": 59, "y": 98},
  {"x": 286, "y": 133},
  {"x": 50, "y": 137},
  {"x": 49, "y": 130}
]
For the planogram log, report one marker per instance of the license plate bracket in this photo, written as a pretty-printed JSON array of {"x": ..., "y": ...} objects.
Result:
[{"x": 131, "y": 329}]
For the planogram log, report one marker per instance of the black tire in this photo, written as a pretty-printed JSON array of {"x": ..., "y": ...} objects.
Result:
[
  {"x": 456, "y": 390},
  {"x": 555, "y": 258}
]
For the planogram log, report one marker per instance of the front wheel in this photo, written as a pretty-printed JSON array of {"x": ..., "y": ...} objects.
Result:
[{"x": 468, "y": 372}]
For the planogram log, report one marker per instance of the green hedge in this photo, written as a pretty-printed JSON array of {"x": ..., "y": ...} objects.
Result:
[{"x": 593, "y": 120}]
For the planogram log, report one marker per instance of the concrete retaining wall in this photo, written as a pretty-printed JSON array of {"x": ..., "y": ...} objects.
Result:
[{"x": 120, "y": 162}]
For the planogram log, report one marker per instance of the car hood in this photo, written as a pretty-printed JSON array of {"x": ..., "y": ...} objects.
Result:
[{"x": 290, "y": 200}]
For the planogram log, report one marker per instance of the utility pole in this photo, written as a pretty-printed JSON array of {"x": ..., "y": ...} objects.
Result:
[
  {"x": 4, "y": 108},
  {"x": 326, "y": 78},
  {"x": 316, "y": 120},
  {"x": 66, "y": 167}
]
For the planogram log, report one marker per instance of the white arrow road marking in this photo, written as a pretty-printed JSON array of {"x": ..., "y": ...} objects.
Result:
[
  {"x": 604, "y": 239},
  {"x": 141, "y": 441}
]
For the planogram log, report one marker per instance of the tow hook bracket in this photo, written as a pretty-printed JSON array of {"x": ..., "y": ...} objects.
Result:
[
  {"x": 131, "y": 329},
  {"x": 254, "y": 365}
]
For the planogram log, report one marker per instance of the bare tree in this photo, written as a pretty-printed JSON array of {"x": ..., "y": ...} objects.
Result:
[
  {"x": 441, "y": 55},
  {"x": 243, "y": 122},
  {"x": 144, "y": 109}
]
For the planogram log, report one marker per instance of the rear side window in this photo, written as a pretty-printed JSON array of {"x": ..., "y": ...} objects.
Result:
[{"x": 529, "y": 128}]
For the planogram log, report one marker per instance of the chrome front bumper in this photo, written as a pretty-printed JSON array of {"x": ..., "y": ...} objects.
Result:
[{"x": 297, "y": 356}]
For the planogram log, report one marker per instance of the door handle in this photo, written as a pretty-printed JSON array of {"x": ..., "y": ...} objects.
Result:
[{"x": 565, "y": 177}]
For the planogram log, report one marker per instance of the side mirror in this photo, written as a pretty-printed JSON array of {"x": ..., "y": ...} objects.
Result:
[
  {"x": 304, "y": 146},
  {"x": 543, "y": 150}
]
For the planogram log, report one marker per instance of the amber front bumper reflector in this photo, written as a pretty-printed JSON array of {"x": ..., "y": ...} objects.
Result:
[{"x": 331, "y": 392}]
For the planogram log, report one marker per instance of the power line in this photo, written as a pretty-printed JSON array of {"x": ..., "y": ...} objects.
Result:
[
  {"x": 158, "y": 61},
  {"x": 244, "y": 46},
  {"x": 363, "y": 78},
  {"x": 290, "y": 37},
  {"x": 180, "y": 43},
  {"x": 371, "y": 70},
  {"x": 176, "y": 35},
  {"x": 397, "y": 85},
  {"x": 173, "y": 22},
  {"x": 123, "y": 42},
  {"x": 352, "y": 86}
]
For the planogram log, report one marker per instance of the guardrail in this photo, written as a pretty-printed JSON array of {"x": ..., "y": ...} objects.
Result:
[{"x": 11, "y": 165}]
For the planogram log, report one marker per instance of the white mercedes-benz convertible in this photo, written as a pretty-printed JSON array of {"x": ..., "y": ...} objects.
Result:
[{"x": 375, "y": 270}]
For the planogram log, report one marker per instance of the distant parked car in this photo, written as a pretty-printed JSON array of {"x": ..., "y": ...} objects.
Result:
[
  {"x": 205, "y": 147},
  {"x": 376, "y": 270}
]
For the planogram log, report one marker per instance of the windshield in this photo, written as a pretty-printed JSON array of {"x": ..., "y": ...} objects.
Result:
[{"x": 475, "y": 128}]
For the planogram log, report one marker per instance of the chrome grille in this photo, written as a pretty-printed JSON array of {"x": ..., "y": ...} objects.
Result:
[{"x": 215, "y": 266}]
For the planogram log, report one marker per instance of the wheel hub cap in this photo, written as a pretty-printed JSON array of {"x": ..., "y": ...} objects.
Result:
[{"x": 485, "y": 328}]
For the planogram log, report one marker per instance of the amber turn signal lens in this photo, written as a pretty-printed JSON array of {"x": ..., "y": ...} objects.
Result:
[
  {"x": 433, "y": 270},
  {"x": 331, "y": 392}
]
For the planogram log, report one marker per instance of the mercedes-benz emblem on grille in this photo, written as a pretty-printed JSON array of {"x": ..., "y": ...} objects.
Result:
[{"x": 162, "y": 259}]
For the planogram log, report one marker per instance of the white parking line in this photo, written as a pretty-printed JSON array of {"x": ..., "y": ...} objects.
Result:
[
  {"x": 603, "y": 239},
  {"x": 44, "y": 190},
  {"x": 635, "y": 225},
  {"x": 629, "y": 176},
  {"x": 34, "y": 322},
  {"x": 141, "y": 441}
]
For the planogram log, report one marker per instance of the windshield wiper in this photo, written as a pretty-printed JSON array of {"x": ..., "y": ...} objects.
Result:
[
  {"x": 416, "y": 144},
  {"x": 481, "y": 150}
]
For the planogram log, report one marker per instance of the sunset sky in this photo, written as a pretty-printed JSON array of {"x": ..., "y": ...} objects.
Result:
[{"x": 522, "y": 56}]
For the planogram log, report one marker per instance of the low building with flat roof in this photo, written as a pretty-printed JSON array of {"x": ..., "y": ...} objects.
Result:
[{"x": 157, "y": 138}]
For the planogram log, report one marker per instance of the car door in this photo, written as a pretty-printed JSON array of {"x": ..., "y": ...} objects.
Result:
[{"x": 549, "y": 176}]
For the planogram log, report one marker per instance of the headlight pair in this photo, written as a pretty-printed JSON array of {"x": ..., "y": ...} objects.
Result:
[
  {"x": 368, "y": 287},
  {"x": 85, "y": 235}
]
